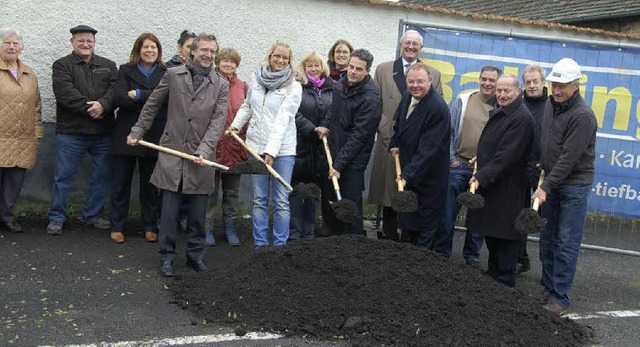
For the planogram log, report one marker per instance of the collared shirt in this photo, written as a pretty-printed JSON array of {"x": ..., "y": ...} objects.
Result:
[
  {"x": 406, "y": 64},
  {"x": 412, "y": 106}
]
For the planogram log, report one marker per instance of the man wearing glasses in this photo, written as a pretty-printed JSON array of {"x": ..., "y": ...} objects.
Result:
[
  {"x": 391, "y": 79},
  {"x": 196, "y": 98},
  {"x": 83, "y": 85}
]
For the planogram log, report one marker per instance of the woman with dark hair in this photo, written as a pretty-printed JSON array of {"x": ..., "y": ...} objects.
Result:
[
  {"x": 339, "y": 55},
  {"x": 272, "y": 102},
  {"x": 229, "y": 152},
  {"x": 184, "y": 48},
  {"x": 21, "y": 126},
  {"x": 311, "y": 121},
  {"x": 136, "y": 81}
]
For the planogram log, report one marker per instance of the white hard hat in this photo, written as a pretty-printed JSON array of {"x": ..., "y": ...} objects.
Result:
[{"x": 565, "y": 71}]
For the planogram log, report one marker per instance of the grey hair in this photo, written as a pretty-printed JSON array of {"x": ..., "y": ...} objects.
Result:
[
  {"x": 534, "y": 68},
  {"x": 412, "y": 32},
  {"x": 516, "y": 82},
  {"x": 4, "y": 32}
]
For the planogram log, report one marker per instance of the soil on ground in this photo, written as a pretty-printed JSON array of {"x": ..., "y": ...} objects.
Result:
[{"x": 367, "y": 292}]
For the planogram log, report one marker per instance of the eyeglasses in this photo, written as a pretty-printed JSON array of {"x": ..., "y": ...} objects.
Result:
[
  {"x": 409, "y": 43},
  {"x": 278, "y": 57}
]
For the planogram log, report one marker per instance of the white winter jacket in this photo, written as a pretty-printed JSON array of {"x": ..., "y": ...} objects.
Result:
[{"x": 272, "y": 129}]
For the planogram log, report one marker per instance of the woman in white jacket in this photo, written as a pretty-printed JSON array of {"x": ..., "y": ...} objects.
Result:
[{"x": 272, "y": 102}]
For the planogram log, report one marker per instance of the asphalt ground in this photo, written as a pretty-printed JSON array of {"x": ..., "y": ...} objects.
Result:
[{"x": 82, "y": 289}]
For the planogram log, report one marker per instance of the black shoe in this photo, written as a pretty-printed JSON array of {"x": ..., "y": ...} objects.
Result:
[
  {"x": 520, "y": 268},
  {"x": 14, "y": 227},
  {"x": 198, "y": 265},
  {"x": 473, "y": 263},
  {"x": 166, "y": 268}
]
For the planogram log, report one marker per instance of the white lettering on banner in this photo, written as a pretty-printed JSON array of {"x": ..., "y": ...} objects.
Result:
[
  {"x": 624, "y": 191},
  {"x": 625, "y": 160}
]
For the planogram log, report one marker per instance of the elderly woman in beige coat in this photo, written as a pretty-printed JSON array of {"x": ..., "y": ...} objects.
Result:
[{"x": 20, "y": 126}]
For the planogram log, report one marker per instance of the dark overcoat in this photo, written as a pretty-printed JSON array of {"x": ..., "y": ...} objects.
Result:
[
  {"x": 423, "y": 140},
  {"x": 130, "y": 78},
  {"x": 503, "y": 151},
  {"x": 195, "y": 121}
]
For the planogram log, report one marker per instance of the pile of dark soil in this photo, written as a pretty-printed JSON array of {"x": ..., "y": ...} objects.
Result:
[{"x": 370, "y": 293}]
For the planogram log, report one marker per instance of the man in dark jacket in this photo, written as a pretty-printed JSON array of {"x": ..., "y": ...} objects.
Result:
[
  {"x": 356, "y": 112},
  {"x": 503, "y": 153},
  {"x": 567, "y": 155},
  {"x": 536, "y": 98},
  {"x": 421, "y": 138},
  {"x": 83, "y": 84}
]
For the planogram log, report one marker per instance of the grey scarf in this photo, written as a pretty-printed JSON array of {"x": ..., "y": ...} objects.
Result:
[
  {"x": 272, "y": 80},
  {"x": 198, "y": 74}
]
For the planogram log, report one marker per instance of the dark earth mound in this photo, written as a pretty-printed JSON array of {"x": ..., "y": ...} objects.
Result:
[{"x": 370, "y": 293}]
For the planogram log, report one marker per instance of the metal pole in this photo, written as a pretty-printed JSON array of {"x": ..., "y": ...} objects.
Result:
[
  {"x": 513, "y": 33},
  {"x": 582, "y": 245}
]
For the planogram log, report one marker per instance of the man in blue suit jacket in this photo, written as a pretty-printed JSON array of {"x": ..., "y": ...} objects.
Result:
[{"x": 421, "y": 136}]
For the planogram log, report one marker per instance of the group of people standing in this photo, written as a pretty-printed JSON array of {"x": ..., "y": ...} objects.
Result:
[{"x": 195, "y": 102}]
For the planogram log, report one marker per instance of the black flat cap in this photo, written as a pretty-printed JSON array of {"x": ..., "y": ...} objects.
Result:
[{"x": 83, "y": 29}]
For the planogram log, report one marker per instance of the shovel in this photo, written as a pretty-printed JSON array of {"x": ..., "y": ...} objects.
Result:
[
  {"x": 272, "y": 171},
  {"x": 182, "y": 155},
  {"x": 470, "y": 199},
  {"x": 345, "y": 210},
  {"x": 529, "y": 220},
  {"x": 405, "y": 200}
]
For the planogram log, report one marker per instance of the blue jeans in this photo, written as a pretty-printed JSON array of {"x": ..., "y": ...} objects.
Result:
[
  {"x": 566, "y": 212},
  {"x": 70, "y": 150},
  {"x": 262, "y": 184},
  {"x": 458, "y": 182},
  {"x": 303, "y": 217}
]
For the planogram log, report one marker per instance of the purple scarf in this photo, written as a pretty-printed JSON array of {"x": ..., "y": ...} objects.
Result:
[{"x": 317, "y": 82}]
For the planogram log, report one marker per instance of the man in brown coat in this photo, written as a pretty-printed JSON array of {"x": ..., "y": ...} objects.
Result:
[
  {"x": 197, "y": 99},
  {"x": 391, "y": 79}
]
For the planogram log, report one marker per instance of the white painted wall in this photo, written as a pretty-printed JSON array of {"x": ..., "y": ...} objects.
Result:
[{"x": 248, "y": 25}]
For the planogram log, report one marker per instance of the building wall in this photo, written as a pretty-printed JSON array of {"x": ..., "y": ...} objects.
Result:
[{"x": 248, "y": 25}]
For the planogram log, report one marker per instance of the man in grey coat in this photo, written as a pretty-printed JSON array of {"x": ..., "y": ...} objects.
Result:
[
  {"x": 391, "y": 79},
  {"x": 197, "y": 99}
]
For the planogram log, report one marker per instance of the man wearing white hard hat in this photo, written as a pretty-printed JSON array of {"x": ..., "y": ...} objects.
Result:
[{"x": 567, "y": 154}]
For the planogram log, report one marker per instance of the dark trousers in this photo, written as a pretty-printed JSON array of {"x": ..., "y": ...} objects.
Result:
[
  {"x": 11, "y": 179},
  {"x": 503, "y": 255},
  {"x": 122, "y": 176},
  {"x": 389, "y": 223},
  {"x": 351, "y": 186},
  {"x": 523, "y": 256},
  {"x": 169, "y": 224}
]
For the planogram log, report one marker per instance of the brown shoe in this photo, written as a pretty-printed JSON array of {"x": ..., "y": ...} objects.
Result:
[
  {"x": 117, "y": 237},
  {"x": 555, "y": 308},
  {"x": 151, "y": 236}
]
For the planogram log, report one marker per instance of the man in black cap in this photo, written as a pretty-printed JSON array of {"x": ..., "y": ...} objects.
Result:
[{"x": 83, "y": 84}]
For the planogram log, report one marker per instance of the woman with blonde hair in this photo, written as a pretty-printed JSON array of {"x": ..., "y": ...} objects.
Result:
[
  {"x": 311, "y": 122},
  {"x": 272, "y": 101},
  {"x": 22, "y": 128}
]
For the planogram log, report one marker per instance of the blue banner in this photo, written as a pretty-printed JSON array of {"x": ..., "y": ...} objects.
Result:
[{"x": 610, "y": 84}]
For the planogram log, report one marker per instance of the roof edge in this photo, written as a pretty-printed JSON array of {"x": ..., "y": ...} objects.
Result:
[{"x": 471, "y": 15}]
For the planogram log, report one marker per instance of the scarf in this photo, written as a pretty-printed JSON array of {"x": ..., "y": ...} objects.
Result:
[
  {"x": 317, "y": 82},
  {"x": 198, "y": 74},
  {"x": 146, "y": 73},
  {"x": 272, "y": 80}
]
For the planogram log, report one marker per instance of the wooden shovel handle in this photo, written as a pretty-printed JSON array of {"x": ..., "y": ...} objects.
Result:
[
  {"x": 272, "y": 171},
  {"x": 536, "y": 201},
  {"x": 182, "y": 155},
  {"x": 474, "y": 185},
  {"x": 398, "y": 172},
  {"x": 334, "y": 179}
]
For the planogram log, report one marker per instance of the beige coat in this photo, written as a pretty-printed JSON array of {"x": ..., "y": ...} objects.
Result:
[
  {"x": 392, "y": 83},
  {"x": 195, "y": 121},
  {"x": 20, "y": 117}
]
